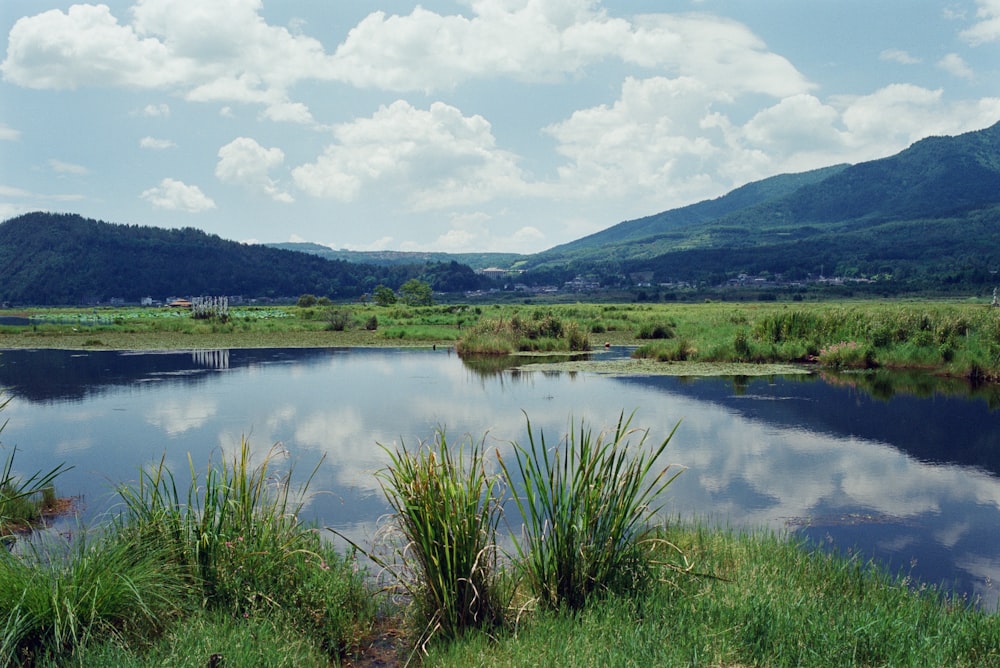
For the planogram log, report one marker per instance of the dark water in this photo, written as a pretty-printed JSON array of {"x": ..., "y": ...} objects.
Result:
[{"x": 906, "y": 470}]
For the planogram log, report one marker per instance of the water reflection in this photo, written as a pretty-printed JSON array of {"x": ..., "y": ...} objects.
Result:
[{"x": 910, "y": 477}]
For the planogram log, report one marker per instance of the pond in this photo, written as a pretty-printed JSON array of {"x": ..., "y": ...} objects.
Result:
[{"x": 905, "y": 470}]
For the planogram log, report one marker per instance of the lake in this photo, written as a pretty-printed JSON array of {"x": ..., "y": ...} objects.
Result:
[{"x": 903, "y": 469}]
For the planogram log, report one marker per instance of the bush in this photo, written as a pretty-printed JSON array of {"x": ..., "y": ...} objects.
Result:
[{"x": 338, "y": 320}]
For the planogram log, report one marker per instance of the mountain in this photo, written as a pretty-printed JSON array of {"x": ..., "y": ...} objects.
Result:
[
  {"x": 67, "y": 259},
  {"x": 391, "y": 258},
  {"x": 927, "y": 215},
  {"x": 746, "y": 196}
]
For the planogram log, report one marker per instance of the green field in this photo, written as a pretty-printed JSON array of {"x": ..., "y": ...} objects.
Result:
[{"x": 959, "y": 339}]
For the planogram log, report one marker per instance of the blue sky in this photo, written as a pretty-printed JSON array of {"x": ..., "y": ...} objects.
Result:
[{"x": 463, "y": 125}]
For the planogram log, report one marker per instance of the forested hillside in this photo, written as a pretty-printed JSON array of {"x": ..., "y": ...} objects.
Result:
[
  {"x": 67, "y": 259},
  {"x": 926, "y": 217}
]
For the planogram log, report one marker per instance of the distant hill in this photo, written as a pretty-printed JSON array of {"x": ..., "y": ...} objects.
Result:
[
  {"x": 390, "y": 258},
  {"x": 928, "y": 215},
  {"x": 67, "y": 259}
]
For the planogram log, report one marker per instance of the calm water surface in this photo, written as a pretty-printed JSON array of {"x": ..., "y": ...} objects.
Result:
[{"x": 911, "y": 479}]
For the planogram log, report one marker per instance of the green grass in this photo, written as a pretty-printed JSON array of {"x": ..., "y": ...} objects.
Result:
[
  {"x": 231, "y": 549},
  {"x": 447, "y": 507},
  {"x": 757, "y": 600},
  {"x": 584, "y": 505},
  {"x": 57, "y": 597},
  {"x": 949, "y": 337}
]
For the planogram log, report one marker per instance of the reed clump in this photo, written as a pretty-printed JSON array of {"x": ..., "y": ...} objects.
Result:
[
  {"x": 540, "y": 332},
  {"x": 584, "y": 505},
  {"x": 231, "y": 548},
  {"x": 447, "y": 506}
]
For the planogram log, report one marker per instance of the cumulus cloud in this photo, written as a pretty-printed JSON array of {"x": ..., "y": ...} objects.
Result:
[
  {"x": 156, "y": 144},
  {"x": 85, "y": 46},
  {"x": 656, "y": 137},
  {"x": 227, "y": 52},
  {"x": 246, "y": 163},
  {"x": 8, "y": 133},
  {"x": 956, "y": 66},
  {"x": 666, "y": 139},
  {"x": 175, "y": 195},
  {"x": 63, "y": 167},
  {"x": 987, "y": 27},
  {"x": 209, "y": 51},
  {"x": 544, "y": 40},
  {"x": 438, "y": 156},
  {"x": 899, "y": 56}
]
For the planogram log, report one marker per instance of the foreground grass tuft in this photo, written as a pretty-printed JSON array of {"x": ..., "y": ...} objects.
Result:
[
  {"x": 761, "y": 601},
  {"x": 585, "y": 503},
  {"x": 447, "y": 507}
]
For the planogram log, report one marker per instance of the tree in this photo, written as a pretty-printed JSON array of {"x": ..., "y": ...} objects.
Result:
[
  {"x": 384, "y": 296},
  {"x": 416, "y": 293}
]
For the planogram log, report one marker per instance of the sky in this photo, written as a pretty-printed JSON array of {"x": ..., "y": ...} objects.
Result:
[{"x": 463, "y": 125}]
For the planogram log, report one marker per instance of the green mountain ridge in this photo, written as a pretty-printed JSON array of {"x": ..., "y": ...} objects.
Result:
[{"x": 51, "y": 259}]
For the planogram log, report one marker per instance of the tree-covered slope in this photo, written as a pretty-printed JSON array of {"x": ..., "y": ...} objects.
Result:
[
  {"x": 67, "y": 259},
  {"x": 928, "y": 214}
]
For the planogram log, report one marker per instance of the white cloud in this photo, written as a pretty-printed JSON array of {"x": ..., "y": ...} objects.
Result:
[
  {"x": 156, "y": 110},
  {"x": 954, "y": 65},
  {"x": 155, "y": 144},
  {"x": 210, "y": 51},
  {"x": 178, "y": 196},
  {"x": 8, "y": 133},
  {"x": 437, "y": 158},
  {"x": 475, "y": 231},
  {"x": 544, "y": 40},
  {"x": 899, "y": 56},
  {"x": 666, "y": 141},
  {"x": 987, "y": 28},
  {"x": 86, "y": 46},
  {"x": 246, "y": 163},
  {"x": 655, "y": 138},
  {"x": 61, "y": 167}
]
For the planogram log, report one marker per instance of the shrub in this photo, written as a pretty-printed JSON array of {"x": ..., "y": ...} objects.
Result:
[
  {"x": 338, "y": 320},
  {"x": 657, "y": 330}
]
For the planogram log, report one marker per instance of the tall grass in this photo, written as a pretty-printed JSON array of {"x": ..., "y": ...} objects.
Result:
[
  {"x": 584, "y": 505},
  {"x": 447, "y": 506},
  {"x": 238, "y": 539},
  {"x": 55, "y": 596},
  {"x": 22, "y": 499},
  {"x": 539, "y": 332}
]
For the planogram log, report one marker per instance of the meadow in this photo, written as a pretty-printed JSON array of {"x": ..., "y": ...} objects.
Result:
[{"x": 959, "y": 339}]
